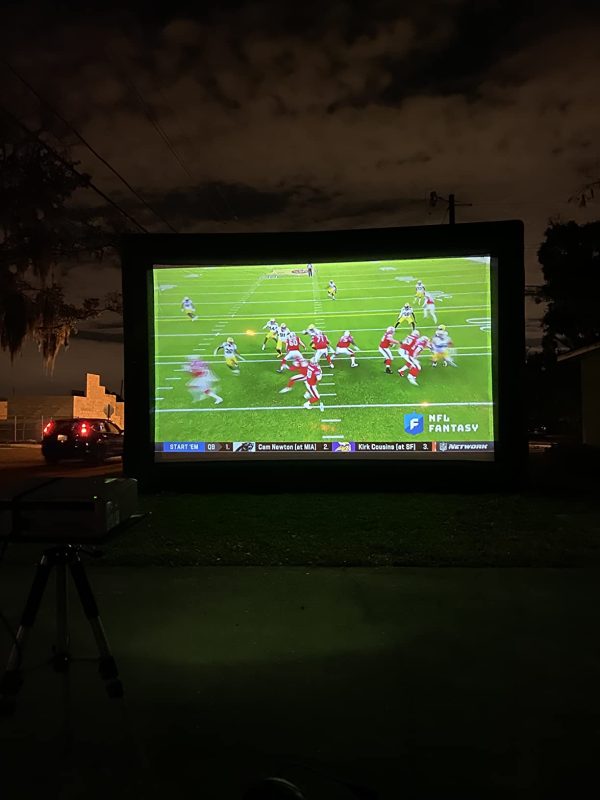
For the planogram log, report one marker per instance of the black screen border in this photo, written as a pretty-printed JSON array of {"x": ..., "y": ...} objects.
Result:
[{"x": 501, "y": 241}]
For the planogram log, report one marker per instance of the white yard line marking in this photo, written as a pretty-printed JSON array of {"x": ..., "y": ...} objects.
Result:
[
  {"x": 431, "y": 277},
  {"x": 164, "y": 388},
  {"x": 331, "y": 420},
  {"x": 213, "y": 360},
  {"x": 296, "y": 408},
  {"x": 381, "y": 328},
  {"x": 301, "y": 315},
  {"x": 392, "y": 287},
  {"x": 337, "y": 436},
  {"x": 236, "y": 307},
  {"x": 173, "y": 379},
  {"x": 332, "y": 394}
]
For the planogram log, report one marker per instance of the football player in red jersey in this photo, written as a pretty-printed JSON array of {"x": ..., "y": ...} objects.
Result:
[
  {"x": 293, "y": 345},
  {"x": 385, "y": 348},
  {"x": 320, "y": 344},
  {"x": 346, "y": 346},
  {"x": 313, "y": 376},
  {"x": 300, "y": 367},
  {"x": 406, "y": 346},
  {"x": 308, "y": 373},
  {"x": 202, "y": 380},
  {"x": 429, "y": 307},
  {"x": 411, "y": 348}
]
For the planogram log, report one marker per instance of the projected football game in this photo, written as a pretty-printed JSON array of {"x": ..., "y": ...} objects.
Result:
[{"x": 324, "y": 360}]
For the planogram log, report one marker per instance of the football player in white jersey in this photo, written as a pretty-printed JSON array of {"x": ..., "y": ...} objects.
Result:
[
  {"x": 231, "y": 354},
  {"x": 282, "y": 334},
  {"x": 419, "y": 292},
  {"x": 440, "y": 348},
  {"x": 272, "y": 329},
  {"x": 188, "y": 308},
  {"x": 406, "y": 315}
]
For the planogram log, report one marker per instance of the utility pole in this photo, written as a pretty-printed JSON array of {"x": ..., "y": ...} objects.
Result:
[
  {"x": 451, "y": 209},
  {"x": 434, "y": 198}
]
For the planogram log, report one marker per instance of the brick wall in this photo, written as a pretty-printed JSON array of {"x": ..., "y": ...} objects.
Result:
[
  {"x": 96, "y": 400},
  {"x": 40, "y": 405},
  {"x": 92, "y": 404}
]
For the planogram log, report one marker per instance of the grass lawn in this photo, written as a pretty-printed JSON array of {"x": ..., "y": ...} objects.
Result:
[
  {"x": 360, "y": 529},
  {"x": 553, "y": 524}
]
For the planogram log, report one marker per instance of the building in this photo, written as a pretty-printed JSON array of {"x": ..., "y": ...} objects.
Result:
[
  {"x": 588, "y": 360},
  {"x": 25, "y": 415}
]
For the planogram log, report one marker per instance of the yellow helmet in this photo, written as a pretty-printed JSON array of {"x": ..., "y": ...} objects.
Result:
[
  {"x": 230, "y": 340},
  {"x": 311, "y": 327},
  {"x": 441, "y": 327}
]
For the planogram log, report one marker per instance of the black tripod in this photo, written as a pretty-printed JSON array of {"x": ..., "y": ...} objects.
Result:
[{"x": 60, "y": 557}]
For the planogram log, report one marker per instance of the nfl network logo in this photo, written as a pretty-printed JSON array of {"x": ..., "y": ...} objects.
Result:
[{"x": 413, "y": 423}]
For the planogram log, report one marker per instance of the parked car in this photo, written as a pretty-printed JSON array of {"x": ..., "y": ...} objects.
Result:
[{"x": 90, "y": 439}]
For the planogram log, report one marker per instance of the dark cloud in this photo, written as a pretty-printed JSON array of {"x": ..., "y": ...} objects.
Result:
[
  {"x": 219, "y": 201},
  {"x": 269, "y": 115}
]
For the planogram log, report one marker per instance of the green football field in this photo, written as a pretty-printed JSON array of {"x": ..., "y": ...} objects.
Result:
[{"x": 361, "y": 404}]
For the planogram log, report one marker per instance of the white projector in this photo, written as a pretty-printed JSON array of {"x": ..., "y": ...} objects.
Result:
[{"x": 73, "y": 510}]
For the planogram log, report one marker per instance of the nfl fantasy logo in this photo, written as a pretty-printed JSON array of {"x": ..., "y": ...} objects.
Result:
[{"x": 413, "y": 423}]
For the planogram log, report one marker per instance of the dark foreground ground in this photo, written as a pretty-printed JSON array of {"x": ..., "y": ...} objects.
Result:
[
  {"x": 553, "y": 522},
  {"x": 417, "y": 683},
  {"x": 477, "y": 682}
]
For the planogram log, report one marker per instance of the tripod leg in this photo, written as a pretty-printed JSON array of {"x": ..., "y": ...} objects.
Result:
[
  {"x": 61, "y": 652},
  {"x": 107, "y": 664},
  {"x": 62, "y": 659},
  {"x": 12, "y": 680}
]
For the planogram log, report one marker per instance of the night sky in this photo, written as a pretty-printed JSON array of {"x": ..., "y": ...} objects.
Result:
[{"x": 342, "y": 114}]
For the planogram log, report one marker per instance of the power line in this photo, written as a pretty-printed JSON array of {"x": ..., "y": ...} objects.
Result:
[
  {"x": 84, "y": 141},
  {"x": 129, "y": 82},
  {"x": 227, "y": 205},
  {"x": 88, "y": 183},
  {"x": 157, "y": 126}
]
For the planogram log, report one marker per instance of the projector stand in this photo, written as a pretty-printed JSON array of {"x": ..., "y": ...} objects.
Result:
[{"x": 59, "y": 557}]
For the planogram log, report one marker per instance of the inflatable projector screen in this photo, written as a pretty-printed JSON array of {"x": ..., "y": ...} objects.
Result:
[{"x": 394, "y": 346}]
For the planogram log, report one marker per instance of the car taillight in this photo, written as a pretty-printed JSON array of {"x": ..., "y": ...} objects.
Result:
[
  {"x": 84, "y": 429},
  {"x": 48, "y": 428}
]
